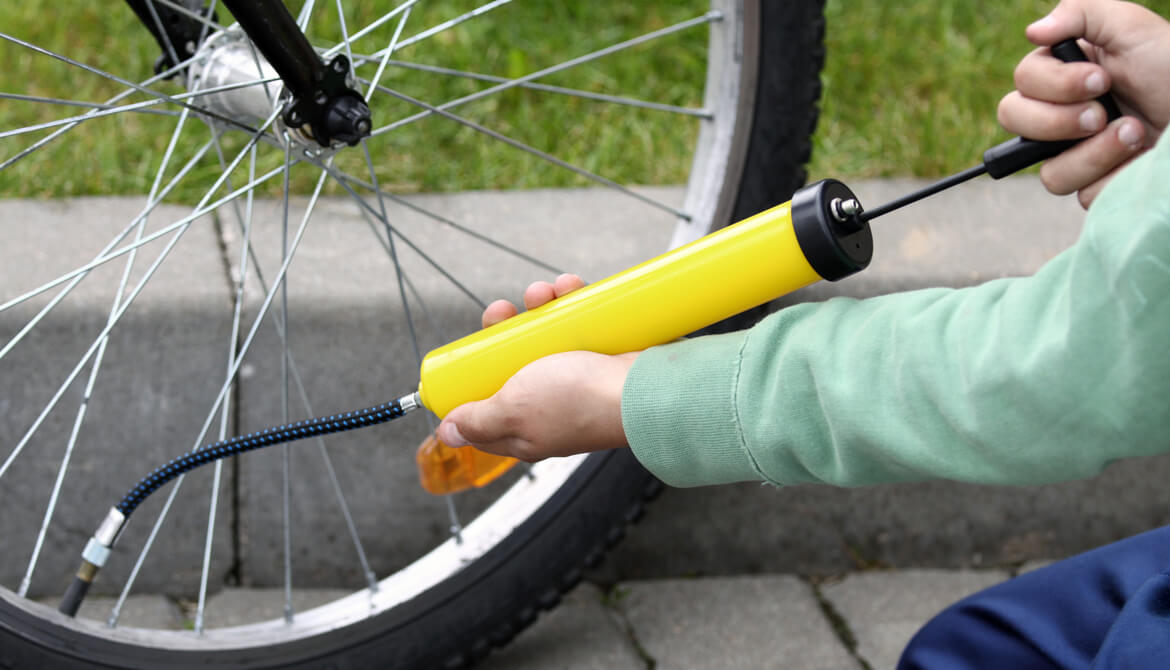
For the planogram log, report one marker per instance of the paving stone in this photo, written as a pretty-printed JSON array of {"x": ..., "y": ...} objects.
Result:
[
  {"x": 149, "y": 400},
  {"x": 140, "y": 611},
  {"x": 883, "y": 610},
  {"x": 732, "y": 622},
  {"x": 581, "y": 633},
  {"x": 234, "y": 607}
]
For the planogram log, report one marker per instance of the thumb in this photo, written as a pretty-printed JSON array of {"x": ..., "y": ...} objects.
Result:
[
  {"x": 473, "y": 423},
  {"x": 1108, "y": 24},
  {"x": 449, "y": 433}
]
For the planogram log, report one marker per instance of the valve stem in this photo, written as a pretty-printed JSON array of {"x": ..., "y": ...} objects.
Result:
[{"x": 93, "y": 557}]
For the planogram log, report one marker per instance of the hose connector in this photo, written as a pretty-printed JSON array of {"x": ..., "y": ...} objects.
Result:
[{"x": 93, "y": 558}]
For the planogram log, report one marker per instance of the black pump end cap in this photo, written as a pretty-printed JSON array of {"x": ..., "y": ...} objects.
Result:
[{"x": 833, "y": 248}]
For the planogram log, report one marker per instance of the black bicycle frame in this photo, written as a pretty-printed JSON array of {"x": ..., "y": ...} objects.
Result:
[{"x": 319, "y": 95}]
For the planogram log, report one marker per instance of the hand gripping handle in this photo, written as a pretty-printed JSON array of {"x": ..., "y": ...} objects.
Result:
[{"x": 1019, "y": 153}]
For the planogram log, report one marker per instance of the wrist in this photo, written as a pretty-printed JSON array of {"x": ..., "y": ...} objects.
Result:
[{"x": 618, "y": 368}]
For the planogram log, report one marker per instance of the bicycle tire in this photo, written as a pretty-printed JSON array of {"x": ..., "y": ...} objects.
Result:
[{"x": 503, "y": 591}]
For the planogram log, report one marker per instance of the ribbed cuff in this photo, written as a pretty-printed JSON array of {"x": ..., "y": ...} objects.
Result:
[{"x": 678, "y": 412}]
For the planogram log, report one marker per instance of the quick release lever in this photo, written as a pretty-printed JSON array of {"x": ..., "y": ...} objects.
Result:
[{"x": 1009, "y": 157}]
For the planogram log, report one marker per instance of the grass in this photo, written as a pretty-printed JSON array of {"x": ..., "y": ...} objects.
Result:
[
  {"x": 910, "y": 89},
  {"x": 114, "y": 155}
]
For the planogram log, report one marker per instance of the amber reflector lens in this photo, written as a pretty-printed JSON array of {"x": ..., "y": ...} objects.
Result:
[{"x": 443, "y": 469}]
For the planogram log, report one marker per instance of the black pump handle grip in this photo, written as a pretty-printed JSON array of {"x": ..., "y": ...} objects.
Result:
[{"x": 1019, "y": 153}]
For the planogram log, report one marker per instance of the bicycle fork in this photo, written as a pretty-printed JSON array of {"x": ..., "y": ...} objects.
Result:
[{"x": 317, "y": 97}]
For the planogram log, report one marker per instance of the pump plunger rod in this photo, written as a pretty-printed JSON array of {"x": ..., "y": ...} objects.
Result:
[{"x": 1009, "y": 157}]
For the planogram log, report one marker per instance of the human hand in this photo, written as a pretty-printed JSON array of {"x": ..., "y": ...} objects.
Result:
[
  {"x": 563, "y": 404},
  {"x": 1129, "y": 49}
]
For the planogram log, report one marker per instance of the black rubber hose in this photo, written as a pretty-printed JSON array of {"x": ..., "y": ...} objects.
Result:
[{"x": 264, "y": 438}]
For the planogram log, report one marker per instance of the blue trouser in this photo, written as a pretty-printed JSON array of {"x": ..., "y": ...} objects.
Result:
[{"x": 1107, "y": 608}]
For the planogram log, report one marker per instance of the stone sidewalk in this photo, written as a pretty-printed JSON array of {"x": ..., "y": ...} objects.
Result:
[
  {"x": 861, "y": 620},
  {"x": 804, "y": 577}
]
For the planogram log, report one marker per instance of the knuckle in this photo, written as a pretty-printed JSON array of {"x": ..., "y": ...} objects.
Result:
[
  {"x": 511, "y": 423},
  {"x": 1054, "y": 179},
  {"x": 1023, "y": 70},
  {"x": 1029, "y": 68},
  {"x": 1102, "y": 154},
  {"x": 526, "y": 451},
  {"x": 1003, "y": 112}
]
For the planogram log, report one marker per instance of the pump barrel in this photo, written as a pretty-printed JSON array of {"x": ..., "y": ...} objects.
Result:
[{"x": 729, "y": 271}]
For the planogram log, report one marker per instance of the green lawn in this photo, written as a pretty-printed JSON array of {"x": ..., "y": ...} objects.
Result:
[{"x": 910, "y": 89}]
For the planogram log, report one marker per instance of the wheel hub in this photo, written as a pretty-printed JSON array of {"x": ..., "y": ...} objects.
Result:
[{"x": 247, "y": 89}]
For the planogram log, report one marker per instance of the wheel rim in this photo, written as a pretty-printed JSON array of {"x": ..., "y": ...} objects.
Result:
[{"x": 262, "y": 266}]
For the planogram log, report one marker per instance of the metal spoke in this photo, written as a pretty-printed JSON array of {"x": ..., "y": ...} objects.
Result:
[
  {"x": 345, "y": 39},
  {"x": 456, "y": 527},
  {"x": 162, "y": 31},
  {"x": 219, "y": 398},
  {"x": 286, "y": 501},
  {"x": 431, "y": 32},
  {"x": 129, "y": 301},
  {"x": 77, "y": 277},
  {"x": 432, "y": 262},
  {"x": 463, "y": 229},
  {"x": 26, "y": 581},
  {"x": 81, "y": 103},
  {"x": 107, "y": 257},
  {"x": 393, "y": 255},
  {"x": 205, "y": 20},
  {"x": 222, "y": 409},
  {"x": 259, "y": 68},
  {"x": 307, "y": 406},
  {"x": 368, "y": 29},
  {"x": 149, "y": 91},
  {"x": 512, "y": 83},
  {"x": 233, "y": 340},
  {"x": 106, "y": 110},
  {"x": 306, "y": 12},
  {"x": 45, "y": 140},
  {"x": 389, "y": 50},
  {"x": 89, "y": 353},
  {"x": 561, "y": 90},
  {"x": 545, "y": 156}
]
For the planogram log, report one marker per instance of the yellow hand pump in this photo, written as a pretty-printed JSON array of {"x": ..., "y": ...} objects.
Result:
[{"x": 817, "y": 235}]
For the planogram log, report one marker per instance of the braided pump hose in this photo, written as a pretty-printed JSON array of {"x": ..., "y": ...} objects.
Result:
[{"x": 97, "y": 550}]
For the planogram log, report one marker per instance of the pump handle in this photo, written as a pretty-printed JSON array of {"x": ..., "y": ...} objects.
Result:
[{"x": 1019, "y": 153}]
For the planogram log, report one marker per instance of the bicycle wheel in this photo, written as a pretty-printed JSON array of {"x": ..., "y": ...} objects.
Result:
[{"x": 111, "y": 340}]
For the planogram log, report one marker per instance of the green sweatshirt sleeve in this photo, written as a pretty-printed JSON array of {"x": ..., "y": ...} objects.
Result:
[{"x": 1017, "y": 381}]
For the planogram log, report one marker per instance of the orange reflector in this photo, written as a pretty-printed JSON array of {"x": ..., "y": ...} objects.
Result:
[{"x": 443, "y": 469}]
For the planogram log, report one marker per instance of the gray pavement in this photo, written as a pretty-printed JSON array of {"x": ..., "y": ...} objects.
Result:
[
  {"x": 737, "y": 576},
  {"x": 858, "y": 620}
]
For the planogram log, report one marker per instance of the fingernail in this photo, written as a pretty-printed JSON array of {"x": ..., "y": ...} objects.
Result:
[
  {"x": 1090, "y": 119},
  {"x": 1042, "y": 23},
  {"x": 1095, "y": 83},
  {"x": 1130, "y": 134},
  {"x": 450, "y": 435}
]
